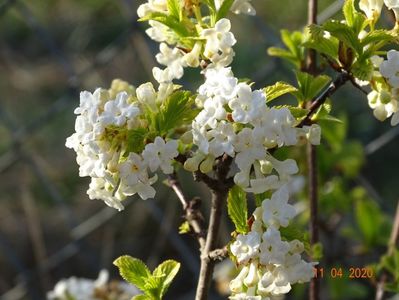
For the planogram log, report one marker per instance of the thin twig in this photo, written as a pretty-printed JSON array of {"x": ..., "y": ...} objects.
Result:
[
  {"x": 191, "y": 212},
  {"x": 391, "y": 248},
  {"x": 219, "y": 254},
  {"x": 316, "y": 103}
]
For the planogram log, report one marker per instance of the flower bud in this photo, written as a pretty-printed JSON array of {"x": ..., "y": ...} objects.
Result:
[
  {"x": 237, "y": 283},
  {"x": 252, "y": 277},
  {"x": 207, "y": 165}
]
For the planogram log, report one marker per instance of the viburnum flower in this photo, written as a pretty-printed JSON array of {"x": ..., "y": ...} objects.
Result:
[
  {"x": 246, "y": 246},
  {"x": 383, "y": 105},
  {"x": 372, "y": 8},
  {"x": 152, "y": 6},
  {"x": 219, "y": 81},
  {"x": 274, "y": 282},
  {"x": 219, "y": 41},
  {"x": 390, "y": 68},
  {"x": 273, "y": 249},
  {"x": 160, "y": 155},
  {"x": 118, "y": 112},
  {"x": 236, "y": 285},
  {"x": 173, "y": 60},
  {"x": 276, "y": 211}
]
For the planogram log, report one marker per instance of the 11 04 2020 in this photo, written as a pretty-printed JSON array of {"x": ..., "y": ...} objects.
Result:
[{"x": 344, "y": 272}]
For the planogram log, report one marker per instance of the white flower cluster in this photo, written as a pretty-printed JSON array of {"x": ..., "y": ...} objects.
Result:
[
  {"x": 270, "y": 264},
  {"x": 101, "y": 144},
  {"x": 236, "y": 121},
  {"x": 383, "y": 99},
  {"x": 87, "y": 289}
]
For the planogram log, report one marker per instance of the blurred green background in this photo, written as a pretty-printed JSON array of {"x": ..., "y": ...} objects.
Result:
[{"x": 49, "y": 229}]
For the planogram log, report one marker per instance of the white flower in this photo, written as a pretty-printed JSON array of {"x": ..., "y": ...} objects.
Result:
[
  {"x": 173, "y": 59},
  {"x": 312, "y": 133},
  {"x": 219, "y": 41},
  {"x": 248, "y": 105},
  {"x": 276, "y": 211},
  {"x": 246, "y": 247},
  {"x": 394, "y": 5},
  {"x": 372, "y": 8},
  {"x": 160, "y": 33},
  {"x": 119, "y": 111},
  {"x": 147, "y": 96},
  {"x": 152, "y": 6},
  {"x": 160, "y": 155},
  {"x": 237, "y": 283},
  {"x": 212, "y": 112},
  {"x": 274, "y": 283},
  {"x": 219, "y": 82},
  {"x": 389, "y": 68},
  {"x": 243, "y": 7},
  {"x": 383, "y": 105},
  {"x": 252, "y": 277},
  {"x": 223, "y": 137},
  {"x": 272, "y": 249},
  {"x": 192, "y": 58}
]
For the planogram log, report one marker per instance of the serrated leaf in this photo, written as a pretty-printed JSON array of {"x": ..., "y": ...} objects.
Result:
[
  {"x": 142, "y": 297},
  {"x": 136, "y": 140},
  {"x": 224, "y": 9},
  {"x": 363, "y": 70},
  {"x": 309, "y": 86},
  {"x": 133, "y": 270},
  {"x": 377, "y": 36},
  {"x": 169, "y": 21},
  {"x": 345, "y": 34},
  {"x": 174, "y": 9},
  {"x": 298, "y": 112},
  {"x": 184, "y": 228},
  {"x": 324, "y": 46},
  {"x": 166, "y": 272},
  {"x": 176, "y": 110},
  {"x": 353, "y": 18},
  {"x": 278, "y": 89},
  {"x": 237, "y": 208}
]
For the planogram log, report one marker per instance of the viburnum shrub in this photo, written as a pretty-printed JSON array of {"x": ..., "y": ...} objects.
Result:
[{"x": 228, "y": 134}]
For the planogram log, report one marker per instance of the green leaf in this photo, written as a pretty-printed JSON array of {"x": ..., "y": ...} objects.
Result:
[
  {"x": 142, "y": 297},
  {"x": 136, "y": 140},
  {"x": 133, "y": 270},
  {"x": 377, "y": 36},
  {"x": 354, "y": 19},
  {"x": 224, "y": 9},
  {"x": 298, "y": 112},
  {"x": 175, "y": 9},
  {"x": 170, "y": 21},
  {"x": 309, "y": 86},
  {"x": 237, "y": 208},
  {"x": 278, "y": 89},
  {"x": 345, "y": 34},
  {"x": 368, "y": 219},
  {"x": 363, "y": 69},
  {"x": 293, "y": 41},
  {"x": 176, "y": 110},
  {"x": 166, "y": 272}
]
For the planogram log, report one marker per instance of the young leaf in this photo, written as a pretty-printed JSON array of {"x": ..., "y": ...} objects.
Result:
[
  {"x": 354, "y": 19},
  {"x": 169, "y": 21},
  {"x": 309, "y": 86},
  {"x": 363, "y": 69},
  {"x": 136, "y": 140},
  {"x": 278, "y": 89},
  {"x": 368, "y": 219},
  {"x": 174, "y": 9},
  {"x": 166, "y": 272},
  {"x": 133, "y": 270},
  {"x": 345, "y": 34},
  {"x": 142, "y": 297},
  {"x": 237, "y": 209},
  {"x": 184, "y": 228},
  {"x": 176, "y": 110}
]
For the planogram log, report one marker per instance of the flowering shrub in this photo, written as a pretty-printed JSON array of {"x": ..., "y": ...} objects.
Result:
[{"x": 228, "y": 134}]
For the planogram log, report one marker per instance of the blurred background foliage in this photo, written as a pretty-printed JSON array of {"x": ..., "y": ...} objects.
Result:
[{"x": 51, "y": 50}]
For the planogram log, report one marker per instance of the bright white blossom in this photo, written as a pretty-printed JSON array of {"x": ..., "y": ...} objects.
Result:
[
  {"x": 246, "y": 246},
  {"x": 372, "y": 8},
  {"x": 389, "y": 68}
]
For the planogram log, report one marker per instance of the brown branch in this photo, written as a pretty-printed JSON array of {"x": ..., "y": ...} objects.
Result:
[
  {"x": 391, "y": 248},
  {"x": 219, "y": 195},
  {"x": 191, "y": 211}
]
